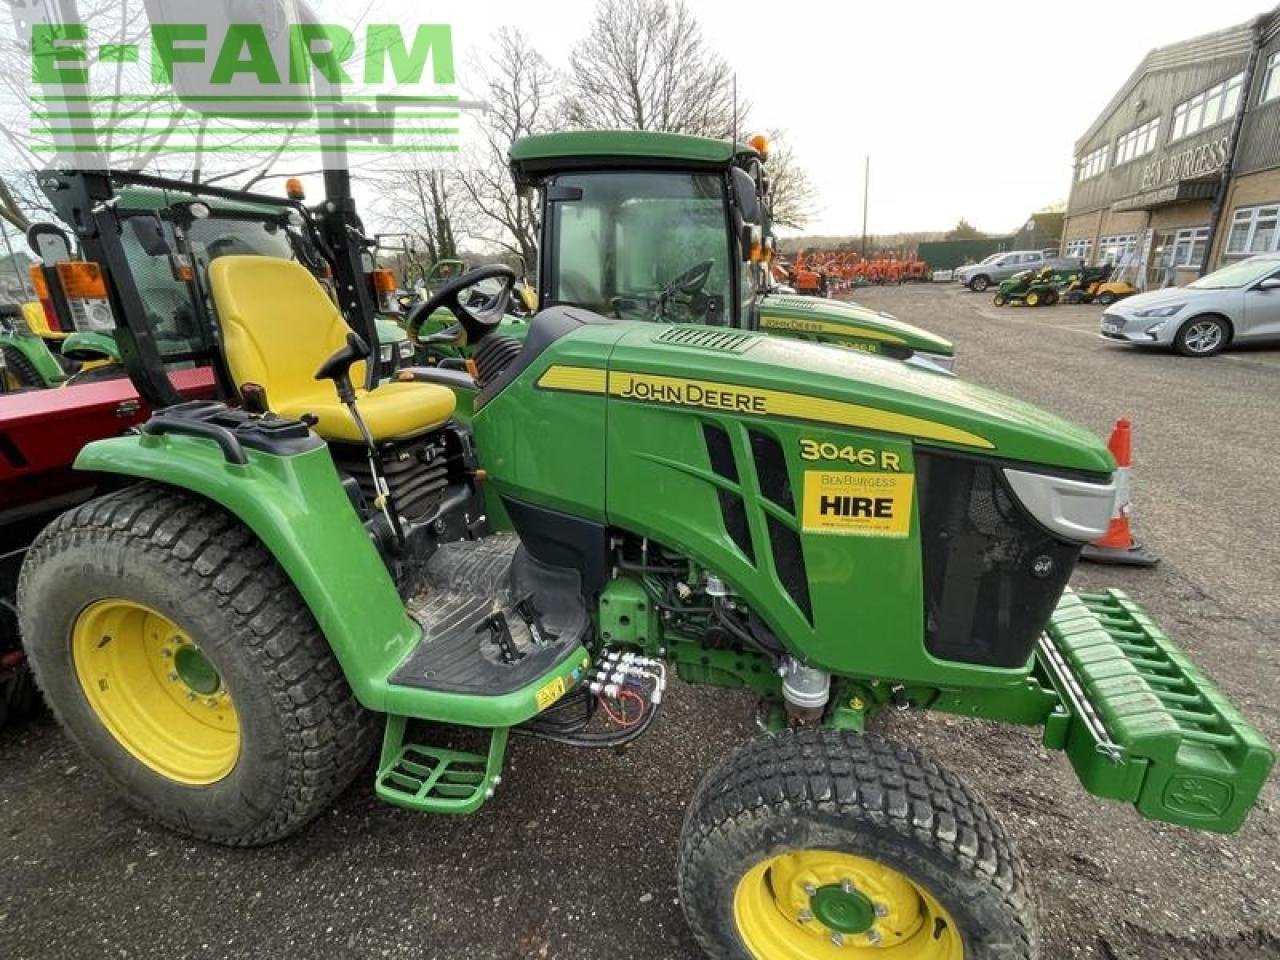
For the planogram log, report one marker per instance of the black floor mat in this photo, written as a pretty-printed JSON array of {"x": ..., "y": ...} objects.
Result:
[{"x": 469, "y": 583}]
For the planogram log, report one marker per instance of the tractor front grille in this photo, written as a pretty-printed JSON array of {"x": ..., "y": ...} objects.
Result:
[{"x": 991, "y": 574}]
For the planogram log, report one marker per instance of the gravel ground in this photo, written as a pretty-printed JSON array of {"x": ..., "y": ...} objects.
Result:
[{"x": 575, "y": 857}]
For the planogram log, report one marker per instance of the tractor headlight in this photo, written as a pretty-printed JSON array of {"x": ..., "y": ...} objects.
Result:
[
  {"x": 405, "y": 349},
  {"x": 1073, "y": 509},
  {"x": 1168, "y": 311},
  {"x": 387, "y": 352}
]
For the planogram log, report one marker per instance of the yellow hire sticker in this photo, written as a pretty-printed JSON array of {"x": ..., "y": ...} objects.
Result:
[{"x": 858, "y": 504}]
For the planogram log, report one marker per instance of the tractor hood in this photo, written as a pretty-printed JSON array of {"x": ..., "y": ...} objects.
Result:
[
  {"x": 835, "y": 319},
  {"x": 798, "y": 380}
]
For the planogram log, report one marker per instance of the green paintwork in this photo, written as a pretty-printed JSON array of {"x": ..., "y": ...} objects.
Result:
[
  {"x": 1188, "y": 757},
  {"x": 87, "y": 345},
  {"x": 629, "y": 462},
  {"x": 568, "y": 150},
  {"x": 848, "y": 912},
  {"x": 296, "y": 506},
  {"x": 37, "y": 353},
  {"x": 195, "y": 670},
  {"x": 435, "y": 780},
  {"x": 845, "y": 324},
  {"x": 148, "y": 198}
]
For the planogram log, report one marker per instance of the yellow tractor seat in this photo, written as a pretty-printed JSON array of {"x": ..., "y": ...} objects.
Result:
[{"x": 278, "y": 326}]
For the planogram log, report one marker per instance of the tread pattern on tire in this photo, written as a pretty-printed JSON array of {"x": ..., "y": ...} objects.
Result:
[
  {"x": 329, "y": 736},
  {"x": 872, "y": 779},
  {"x": 21, "y": 369}
]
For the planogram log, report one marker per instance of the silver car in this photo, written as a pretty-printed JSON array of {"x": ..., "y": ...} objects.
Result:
[
  {"x": 1000, "y": 266},
  {"x": 1237, "y": 304}
]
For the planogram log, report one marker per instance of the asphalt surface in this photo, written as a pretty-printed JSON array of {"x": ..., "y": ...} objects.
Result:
[{"x": 575, "y": 856}]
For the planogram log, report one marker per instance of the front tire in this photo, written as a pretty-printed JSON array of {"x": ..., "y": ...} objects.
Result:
[
  {"x": 1202, "y": 337},
  {"x": 820, "y": 844},
  {"x": 1032, "y": 299},
  {"x": 979, "y": 283},
  {"x": 179, "y": 656},
  {"x": 999, "y": 300}
]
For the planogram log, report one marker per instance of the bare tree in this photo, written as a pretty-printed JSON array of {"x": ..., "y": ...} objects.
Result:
[
  {"x": 422, "y": 204},
  {"x": 644, "y": 65},
  {"x": 791, "y": 193},
  {"x": 520, "y": 90}
]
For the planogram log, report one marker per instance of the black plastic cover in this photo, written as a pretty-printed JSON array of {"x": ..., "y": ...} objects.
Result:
[{"x": 992, "y": 575}]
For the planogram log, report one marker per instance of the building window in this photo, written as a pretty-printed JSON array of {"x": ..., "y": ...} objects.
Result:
[
  {"x": 1271, "y": 81},
  {"x": 1080, "y": 248},
  {"x": 1091, "y": 164},
  {"x": 1211, "y": 106},
  {"x": 1118, "y": 249},
  {"x": 1254, "y": 230},
  {"x": 1138, "y": 142}
]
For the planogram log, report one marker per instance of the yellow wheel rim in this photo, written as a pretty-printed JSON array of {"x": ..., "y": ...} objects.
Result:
[
  {"x": 1033, "y": 299},
  {"x": 825, "y": 905},
  {"x": 155, "y": 691}
]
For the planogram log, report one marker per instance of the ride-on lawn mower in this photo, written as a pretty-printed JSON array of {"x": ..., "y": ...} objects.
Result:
[
  {"x": 1032, "y": 287},
  {"x": 1095, "y": 284},
  {"x": 311, "y": 557}
]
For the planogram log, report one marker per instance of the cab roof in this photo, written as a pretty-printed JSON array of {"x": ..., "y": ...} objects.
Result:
[{"x": 536, "y": 157}]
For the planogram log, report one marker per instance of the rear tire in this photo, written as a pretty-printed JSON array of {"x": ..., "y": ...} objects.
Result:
[
  {"x": 886, "y": 837},
  {"x": 112, "y": 588},
  {"x": 1106, "y": 299},
  {"x": 1051, "y": 298},
  {"x": 20, "y": 374},
  {"x": 979, "y": 283},
  {"x": 1202, "y": 337}
]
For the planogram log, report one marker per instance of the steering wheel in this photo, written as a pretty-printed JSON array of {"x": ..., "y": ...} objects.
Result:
[
  {"x": 691, "y": 281},
  {"x": 473, "y": 324}
]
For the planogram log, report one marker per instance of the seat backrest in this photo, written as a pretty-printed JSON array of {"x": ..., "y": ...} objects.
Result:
[{"x": 278, "y": 324}]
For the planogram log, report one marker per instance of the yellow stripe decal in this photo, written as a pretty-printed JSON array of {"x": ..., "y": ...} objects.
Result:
[
  {"x": 731, "y": 397},
  {"x": 838, "y": 329},
  {"x": 574, "y": 379}
]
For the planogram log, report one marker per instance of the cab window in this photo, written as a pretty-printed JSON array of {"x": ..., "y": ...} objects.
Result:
[{"x": 641, "y": 245}]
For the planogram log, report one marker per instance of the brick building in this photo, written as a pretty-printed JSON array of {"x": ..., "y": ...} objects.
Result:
[{"x": 1181, "y": 172}]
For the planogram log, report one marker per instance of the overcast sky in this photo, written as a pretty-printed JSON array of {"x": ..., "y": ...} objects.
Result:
[{"x": 967, "y": 109}]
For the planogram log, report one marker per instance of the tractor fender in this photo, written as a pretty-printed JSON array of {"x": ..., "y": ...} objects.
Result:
[{"x": 295, "y": 504}]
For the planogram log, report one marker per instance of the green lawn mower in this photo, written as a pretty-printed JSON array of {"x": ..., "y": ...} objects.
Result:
[
  {"x": 1034, "y": 288},
  {"x": 321, "y": 553}
]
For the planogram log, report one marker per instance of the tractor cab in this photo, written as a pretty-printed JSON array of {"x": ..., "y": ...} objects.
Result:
[{"x": 675, "y": 229}]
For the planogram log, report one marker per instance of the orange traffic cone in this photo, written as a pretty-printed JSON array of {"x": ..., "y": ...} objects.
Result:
[{"x": 1117, "y": 544}]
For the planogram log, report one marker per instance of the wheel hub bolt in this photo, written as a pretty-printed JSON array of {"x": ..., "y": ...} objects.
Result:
[
  {"x": 873, "y": 938},
  {"x": 882, "y": 909},
  {"x": 173, "y": 676},
  {"x": 810, "y": 889},
  {"x": 837, "y": 939},
  {"x": 805, "y": 916},
  {"x": 846, "y": 885},
  {"x": 166, "y": 653}
]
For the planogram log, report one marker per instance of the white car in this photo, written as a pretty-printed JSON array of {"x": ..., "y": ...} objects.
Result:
[{"x": 1237, "y": 304}]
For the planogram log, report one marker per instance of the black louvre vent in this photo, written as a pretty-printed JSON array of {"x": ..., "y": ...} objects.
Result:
[
  {"x": 788, "y": 560},
  {"x": 992, "y": 576},
  {"x": 720, "y": 450},
  {"x": 732, "y": 510},
  {"x": 771, "y": 469}
]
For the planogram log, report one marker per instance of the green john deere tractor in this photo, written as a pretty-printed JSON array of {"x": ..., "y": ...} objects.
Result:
[
  {"x": 655, "y": 226},
  {"x": 322, "y": 553}
]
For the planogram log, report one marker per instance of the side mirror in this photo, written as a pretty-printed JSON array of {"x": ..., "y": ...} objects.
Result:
[
  {"x": 150, "y": 234},
  {"x": 49, "y": 242},
  {"x": 744, "y": 193},
  {"x": 1271, "y": 283}
]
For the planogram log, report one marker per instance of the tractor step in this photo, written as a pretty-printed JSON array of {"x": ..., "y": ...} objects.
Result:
[
  {"x": 1140, "y": 723},
  {"x": 433, "y": 779}
]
